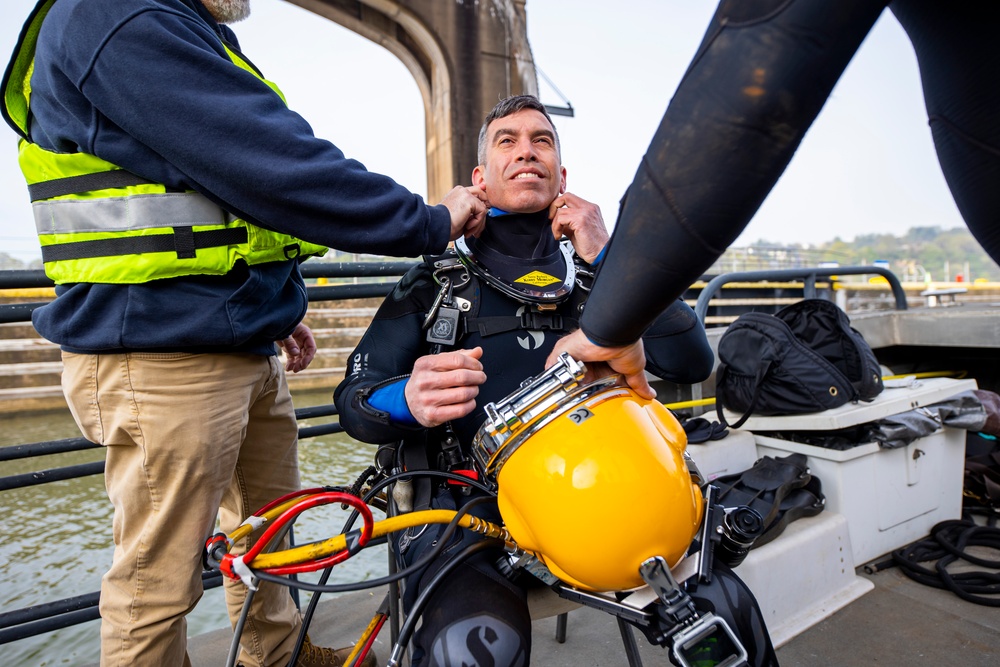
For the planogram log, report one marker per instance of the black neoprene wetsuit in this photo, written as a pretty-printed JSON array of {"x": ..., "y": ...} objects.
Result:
[
  {"x": 759, "y": 79},
  {"x": 477, "y": 602},
  {"x": 677, "y": 346}
]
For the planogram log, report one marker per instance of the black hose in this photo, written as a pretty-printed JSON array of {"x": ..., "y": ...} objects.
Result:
[
  {"x": 948, "y": 542},
  {"x": 386, "y": 481},
  {"x": 234, "y": 645},
  {"x": 878, "y": 566},
  {"x": 360, "y": 482},
  {"x": 429, "y": 590}
]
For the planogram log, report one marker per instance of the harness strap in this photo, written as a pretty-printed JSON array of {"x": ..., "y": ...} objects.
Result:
[
  {"x": 183, "y": 241},
  {"x": 414, "y": 457},
  {"x": 529, "y": 320}
]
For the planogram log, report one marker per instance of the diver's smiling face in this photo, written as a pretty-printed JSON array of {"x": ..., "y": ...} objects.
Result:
[{"x": 522, "y": 172}]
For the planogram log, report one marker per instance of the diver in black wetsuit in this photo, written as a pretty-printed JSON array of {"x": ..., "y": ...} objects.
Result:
[
  {"x": 758, "y": 80},
  {"x": 521, "y": 290}
]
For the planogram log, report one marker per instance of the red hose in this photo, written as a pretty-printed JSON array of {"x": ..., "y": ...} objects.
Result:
[
  {"x": 315, "y": 500},
  {"x": 288, "y": 496}
]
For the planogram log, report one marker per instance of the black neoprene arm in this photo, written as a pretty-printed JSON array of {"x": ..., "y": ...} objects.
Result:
[{"x": 759, "y": 79}]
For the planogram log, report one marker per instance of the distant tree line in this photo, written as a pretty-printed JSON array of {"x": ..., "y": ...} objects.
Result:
[
  {"x": 923, "y": 250},
  {"x": 8, "y": 263},
  {"x": 941, "y": 253}
]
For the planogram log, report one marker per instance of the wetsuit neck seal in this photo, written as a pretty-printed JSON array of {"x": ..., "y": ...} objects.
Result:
[{"x": 517, "y": 256}]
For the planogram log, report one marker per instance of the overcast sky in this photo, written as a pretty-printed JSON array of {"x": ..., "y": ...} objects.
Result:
[{"x": 866, "y": 166}]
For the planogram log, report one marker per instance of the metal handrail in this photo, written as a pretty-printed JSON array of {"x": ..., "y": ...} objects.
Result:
[
  {"x": 808, "y": 275},
  {"x": 24, "y": 279},
  {"x": 28, "y": 278},
  {"x": 97, "y": 467},
  {"x": 50, "y": 616}
]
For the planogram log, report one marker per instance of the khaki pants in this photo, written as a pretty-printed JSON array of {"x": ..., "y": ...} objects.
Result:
[{"x": 188, "y": 437}]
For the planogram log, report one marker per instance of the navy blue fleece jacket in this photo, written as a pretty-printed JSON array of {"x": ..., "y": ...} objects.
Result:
[{"x": 147, "y": 85}]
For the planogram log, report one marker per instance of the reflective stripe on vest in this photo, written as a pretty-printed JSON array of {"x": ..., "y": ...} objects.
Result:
[{"x": 98, "y": 223}]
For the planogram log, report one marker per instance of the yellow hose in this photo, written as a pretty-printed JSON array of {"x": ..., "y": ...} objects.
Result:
[
  {"x": 317, "y": 550},
  {"x": 373, "y": 626}
]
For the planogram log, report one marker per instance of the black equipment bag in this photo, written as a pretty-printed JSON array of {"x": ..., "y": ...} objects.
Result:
[
  {"x": 804, "y": 358},
  {"x": 982, "y": 481}
]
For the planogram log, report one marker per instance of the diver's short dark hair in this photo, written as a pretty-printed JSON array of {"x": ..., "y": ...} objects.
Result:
[{"x": 506, "y": 107}]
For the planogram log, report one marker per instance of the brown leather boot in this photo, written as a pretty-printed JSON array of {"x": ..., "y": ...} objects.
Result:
[{"x": 318, "y": 656}]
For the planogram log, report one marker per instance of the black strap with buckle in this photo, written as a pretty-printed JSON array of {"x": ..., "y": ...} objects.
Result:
[
  {"x": 183, "y": 243},
  {"x": 530, "y": 320}
]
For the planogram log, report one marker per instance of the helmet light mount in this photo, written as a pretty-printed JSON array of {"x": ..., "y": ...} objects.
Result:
[{"x": 691, "y": 634}]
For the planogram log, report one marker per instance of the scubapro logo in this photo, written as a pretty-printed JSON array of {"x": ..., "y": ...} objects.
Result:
[
  {"x": 534, "y": 339},
  {"x": 481, "y": 641},
  {"x": 443, "y": 328}
]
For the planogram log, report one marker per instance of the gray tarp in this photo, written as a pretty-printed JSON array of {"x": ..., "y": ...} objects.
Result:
[{"x": 964, "y": 411}]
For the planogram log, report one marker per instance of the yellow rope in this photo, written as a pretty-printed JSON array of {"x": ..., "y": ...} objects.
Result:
[
  {"x": 690, "y": 404},
  {"x": 929, "y": 374}
]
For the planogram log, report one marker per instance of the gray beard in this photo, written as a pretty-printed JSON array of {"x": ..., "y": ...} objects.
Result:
[{"x": 228, "y": 11}]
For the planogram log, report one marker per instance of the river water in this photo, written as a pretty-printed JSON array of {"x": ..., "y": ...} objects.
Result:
[{"x": 56, "y": 538}]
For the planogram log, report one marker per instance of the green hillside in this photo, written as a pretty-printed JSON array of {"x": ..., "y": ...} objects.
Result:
[{"x": 941, "y": 253}]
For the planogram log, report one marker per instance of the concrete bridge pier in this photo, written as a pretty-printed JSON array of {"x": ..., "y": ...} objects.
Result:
[{"x": 465, "y": 55}]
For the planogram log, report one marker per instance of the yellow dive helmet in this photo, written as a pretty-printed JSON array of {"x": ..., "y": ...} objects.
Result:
[{"x": 591, "y": 479}]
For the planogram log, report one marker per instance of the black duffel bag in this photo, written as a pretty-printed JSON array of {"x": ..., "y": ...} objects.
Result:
[{"x": 805, "y": 358}]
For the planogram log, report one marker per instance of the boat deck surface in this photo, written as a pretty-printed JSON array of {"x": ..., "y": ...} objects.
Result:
[{"x": 899, "y": 622}]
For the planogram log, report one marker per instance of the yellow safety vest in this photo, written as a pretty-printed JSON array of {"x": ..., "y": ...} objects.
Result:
[{"x": 98, "y": 223}]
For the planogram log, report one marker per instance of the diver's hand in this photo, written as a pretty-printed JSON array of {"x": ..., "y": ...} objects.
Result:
[
  {"x": 629, "y": 360},
  {"x": 581, "y": 222},
  {"x": 444, "y": 386},
  {"x": 467, "y": 206},
  {"x": 300, "y": 348}
]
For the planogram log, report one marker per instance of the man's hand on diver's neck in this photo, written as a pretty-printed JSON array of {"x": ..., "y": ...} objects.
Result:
[{"x": 581, "y": 222}]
